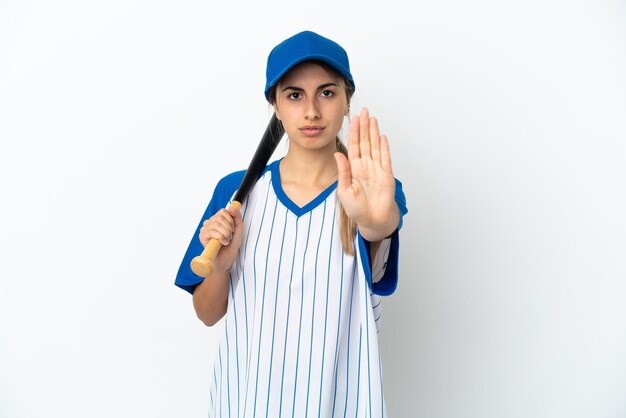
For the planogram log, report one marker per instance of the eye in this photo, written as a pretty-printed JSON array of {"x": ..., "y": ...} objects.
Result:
[
  {"x": 294, "y": 96},
  {"x": 327, "y": 93}
]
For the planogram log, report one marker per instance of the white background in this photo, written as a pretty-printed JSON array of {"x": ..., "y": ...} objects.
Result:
[{"x": 507, "y": 123}]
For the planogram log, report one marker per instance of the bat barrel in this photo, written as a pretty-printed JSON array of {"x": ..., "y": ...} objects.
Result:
[{"x": 271, "y": 137}]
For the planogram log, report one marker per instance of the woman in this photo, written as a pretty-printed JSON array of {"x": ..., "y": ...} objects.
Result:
[{"x": 306, "y": 259}]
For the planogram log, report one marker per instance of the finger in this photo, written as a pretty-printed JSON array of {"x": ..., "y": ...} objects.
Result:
[
  {"x": 216, "y": 231},
  {"x": 221, "y": 227},
  {"x": 224, "y": 216},
  {"x": 224, "y": 227},
  {"x": 235, "y": 212},
  {"x": 353, "y": 139},
  {"x": 204, "y": 239},
  {"x": 344, "y": 174},
  {"x": 222, "y": 235},
  {"x": 385, "y": 154},
  {"x": 375, "y": 140},
  {"x": 364, "y": 134},
  {"x": 207, "y": 234}
]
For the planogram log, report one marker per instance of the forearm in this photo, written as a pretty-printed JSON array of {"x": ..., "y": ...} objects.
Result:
[{"x": 210, "y": 298}]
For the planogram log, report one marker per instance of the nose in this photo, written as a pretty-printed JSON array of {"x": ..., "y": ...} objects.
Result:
[{"x": 312, "y": 109}]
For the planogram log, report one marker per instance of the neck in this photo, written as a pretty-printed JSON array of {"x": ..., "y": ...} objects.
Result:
[{"x": 309, "y": 167}]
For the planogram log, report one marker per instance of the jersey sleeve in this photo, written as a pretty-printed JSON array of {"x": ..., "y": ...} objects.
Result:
[
  {"x": 382, "y": 272},
  {"x": 223, "y": 193}
]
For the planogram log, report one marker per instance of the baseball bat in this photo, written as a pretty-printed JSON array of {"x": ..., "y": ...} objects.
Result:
[{"x": 202, "y": 265}]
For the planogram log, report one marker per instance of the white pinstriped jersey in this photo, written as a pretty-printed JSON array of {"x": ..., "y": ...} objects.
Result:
[{"x": 300, "y": 336}]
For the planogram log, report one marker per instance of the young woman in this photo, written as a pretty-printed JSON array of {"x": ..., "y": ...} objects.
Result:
[{"x": 305, "y": 260}]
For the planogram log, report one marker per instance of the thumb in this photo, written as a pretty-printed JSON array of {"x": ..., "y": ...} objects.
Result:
[
  {"x": 234, "y": 209},
  {"x": 344, "y": 174}
]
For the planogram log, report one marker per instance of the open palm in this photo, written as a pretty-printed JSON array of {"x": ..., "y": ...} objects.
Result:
[{"x": 366, "y": 186}]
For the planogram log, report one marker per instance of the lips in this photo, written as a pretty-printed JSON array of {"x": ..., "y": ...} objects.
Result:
[{"x": 311, "y": 130}]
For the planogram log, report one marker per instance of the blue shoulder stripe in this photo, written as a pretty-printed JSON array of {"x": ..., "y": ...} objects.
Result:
[{"x": 224, "y": 191}]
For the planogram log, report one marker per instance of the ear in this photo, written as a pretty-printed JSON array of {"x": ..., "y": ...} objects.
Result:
[{"x": 277, "y": 113}]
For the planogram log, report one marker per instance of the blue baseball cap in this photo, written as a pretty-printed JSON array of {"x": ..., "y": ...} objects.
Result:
[{"x": 301, "y": 47}]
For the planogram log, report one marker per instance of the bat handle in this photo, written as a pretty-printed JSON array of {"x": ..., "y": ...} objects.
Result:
[{"x": 202, "y": 265}]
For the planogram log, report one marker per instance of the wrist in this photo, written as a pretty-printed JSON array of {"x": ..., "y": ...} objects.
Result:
[{"x": 379, "y": 231}]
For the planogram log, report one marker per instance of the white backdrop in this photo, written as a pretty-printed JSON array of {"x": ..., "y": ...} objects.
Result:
[{"x": 507, "y": 126}]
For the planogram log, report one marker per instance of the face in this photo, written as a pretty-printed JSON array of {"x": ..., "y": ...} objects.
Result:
[{"x": 311, "y": 102}]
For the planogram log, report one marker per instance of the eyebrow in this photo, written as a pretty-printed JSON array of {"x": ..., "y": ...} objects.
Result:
[{"x": 320, "y": 87}]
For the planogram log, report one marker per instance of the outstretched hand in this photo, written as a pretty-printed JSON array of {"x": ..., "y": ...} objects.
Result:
[{"x": 366, "y": 186}]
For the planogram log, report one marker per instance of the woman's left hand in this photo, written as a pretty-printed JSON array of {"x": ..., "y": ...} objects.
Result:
[{"x": 366, "y": 185}]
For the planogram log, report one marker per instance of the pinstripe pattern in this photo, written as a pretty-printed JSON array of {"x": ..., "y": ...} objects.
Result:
[{"x": 300, "y": 334}]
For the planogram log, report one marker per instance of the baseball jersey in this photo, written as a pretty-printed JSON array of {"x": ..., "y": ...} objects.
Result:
[{"x": 300, "y": 336}]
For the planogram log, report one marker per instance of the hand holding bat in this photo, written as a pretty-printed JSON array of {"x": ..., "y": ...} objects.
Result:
[
  {"x": 202, "y": 265},
  {"x": 221, "y": 236}
]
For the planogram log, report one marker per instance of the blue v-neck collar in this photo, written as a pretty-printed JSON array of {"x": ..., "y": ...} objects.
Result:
[{"x": 289, "y": 204}]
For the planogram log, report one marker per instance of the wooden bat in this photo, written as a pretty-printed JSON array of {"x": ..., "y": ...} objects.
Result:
[{"x": 202, "y": 265}]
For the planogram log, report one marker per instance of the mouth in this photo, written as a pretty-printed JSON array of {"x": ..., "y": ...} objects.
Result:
[{"x": 311, "y": 130}]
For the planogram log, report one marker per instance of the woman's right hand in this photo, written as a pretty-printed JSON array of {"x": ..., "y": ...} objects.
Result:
[{"x": 227, "y": 227}]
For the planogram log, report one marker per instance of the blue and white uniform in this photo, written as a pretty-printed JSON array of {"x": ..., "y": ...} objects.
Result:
[{"x": 300, "y": 336}]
